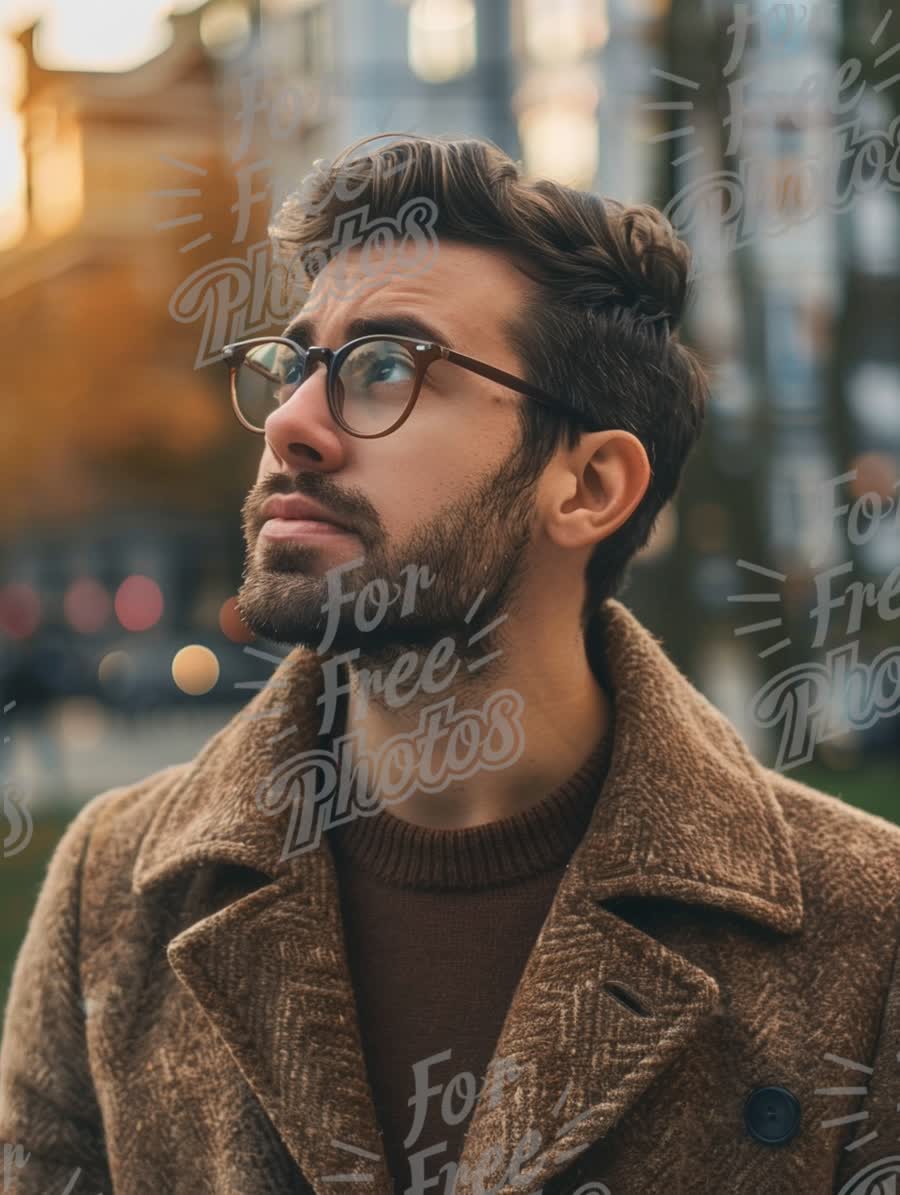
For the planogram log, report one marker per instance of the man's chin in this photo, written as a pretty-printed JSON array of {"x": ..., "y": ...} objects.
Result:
[
  {"x": 283, "y": 634},
  {"x": 293, "y": 628},
  {"x": 276, "y": 559},
  {"x": 283, "y": 621}
]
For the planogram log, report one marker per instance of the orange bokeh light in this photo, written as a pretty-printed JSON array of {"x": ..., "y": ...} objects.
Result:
[
  {"x": 231, "y": 623},
  {"x": 876, "y": 473}
]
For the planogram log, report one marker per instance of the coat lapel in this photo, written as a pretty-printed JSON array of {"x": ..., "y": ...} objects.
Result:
[
  {"x": 602, "y": 1008},
  {"x": 600, "y": 1011},
  {"x": 270, "y": 970}
]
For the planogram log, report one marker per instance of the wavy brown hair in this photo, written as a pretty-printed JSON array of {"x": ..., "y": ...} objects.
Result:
[{"x": 599, "y": 327}]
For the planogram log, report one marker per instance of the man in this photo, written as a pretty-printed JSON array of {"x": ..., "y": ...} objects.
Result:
[{"x": 479, "y": 893}]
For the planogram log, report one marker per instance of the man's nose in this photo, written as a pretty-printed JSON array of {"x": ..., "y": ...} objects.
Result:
[{"x": 302, "y": 426}]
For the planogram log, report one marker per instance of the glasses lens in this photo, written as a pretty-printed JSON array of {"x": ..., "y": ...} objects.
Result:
[
  {"x": 267, "y": 377},
  {"x": 375, "y": 384}
]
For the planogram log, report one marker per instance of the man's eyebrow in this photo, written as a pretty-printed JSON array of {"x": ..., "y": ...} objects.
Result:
[{"x": 303, "y": 331}]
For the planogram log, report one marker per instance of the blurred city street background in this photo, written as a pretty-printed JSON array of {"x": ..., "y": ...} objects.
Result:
[{"x": 143, "y": 147}]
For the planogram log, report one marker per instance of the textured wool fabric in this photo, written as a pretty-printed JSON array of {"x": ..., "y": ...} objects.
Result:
[
  {"x": 182, "y": 1017},
  {"x": 439, "y": 925}
]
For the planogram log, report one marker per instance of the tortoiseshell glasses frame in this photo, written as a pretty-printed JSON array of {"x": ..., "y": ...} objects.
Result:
[{"x": 422, "y": 354}]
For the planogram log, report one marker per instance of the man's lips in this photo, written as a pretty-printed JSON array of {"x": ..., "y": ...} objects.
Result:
[
  {"x": 296, "y": 508},
  {"x": 300, "y": 529},
  {"x": 291, "y": 516}
]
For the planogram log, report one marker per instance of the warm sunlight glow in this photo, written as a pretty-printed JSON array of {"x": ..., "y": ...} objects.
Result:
[
  {"x": 13, "y": 214},
  {"x": 13, "y": 67},
  {"x": 225, "y": 28},
  {"x": 56, "y": 170},
  {"x": 19, "y": 14},
  {"x": 94, "y": 35}
]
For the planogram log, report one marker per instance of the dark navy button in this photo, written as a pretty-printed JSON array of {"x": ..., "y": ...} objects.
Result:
[{"x": 772, "y": 1115}]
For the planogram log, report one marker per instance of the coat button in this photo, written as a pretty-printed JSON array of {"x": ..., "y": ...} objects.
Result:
[{"x": 772, "y": 1115}]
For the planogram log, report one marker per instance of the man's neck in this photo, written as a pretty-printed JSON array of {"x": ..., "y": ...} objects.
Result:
[{"x": 529, "y": 728}]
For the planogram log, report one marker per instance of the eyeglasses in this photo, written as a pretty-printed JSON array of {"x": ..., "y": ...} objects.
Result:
[{"x": 372, "y": 382}]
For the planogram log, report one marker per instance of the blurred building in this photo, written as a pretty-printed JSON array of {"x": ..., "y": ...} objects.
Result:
[{"x": 121, "y": 473}]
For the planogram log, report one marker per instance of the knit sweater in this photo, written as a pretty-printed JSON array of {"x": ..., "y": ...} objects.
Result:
[{"x": 439, "y": 925}]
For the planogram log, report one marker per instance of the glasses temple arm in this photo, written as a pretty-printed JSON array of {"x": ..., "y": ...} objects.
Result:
[
  {"x": 238, "y": 359},
  {"x": 514, "y": 383}
]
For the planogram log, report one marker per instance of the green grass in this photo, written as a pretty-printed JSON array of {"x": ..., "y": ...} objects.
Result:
[
  {"x": 876, "y": 788},
  {"x": 21, "y": 877}
]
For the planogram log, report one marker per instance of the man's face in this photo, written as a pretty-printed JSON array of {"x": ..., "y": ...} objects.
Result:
[{"x": 445, "y": 491}]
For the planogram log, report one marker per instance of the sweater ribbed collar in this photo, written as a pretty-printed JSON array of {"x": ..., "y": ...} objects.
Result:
[{"x": 541, "y": 837}]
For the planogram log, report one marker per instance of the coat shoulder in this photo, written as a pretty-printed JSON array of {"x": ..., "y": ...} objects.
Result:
[
  {"x": 129, "y": 807},
  {"x": 113, "y": 823},
  {"x": 845, "y": 855}
]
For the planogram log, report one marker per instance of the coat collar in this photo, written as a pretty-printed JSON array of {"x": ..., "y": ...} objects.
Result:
[{"x": 685, "y": 814}]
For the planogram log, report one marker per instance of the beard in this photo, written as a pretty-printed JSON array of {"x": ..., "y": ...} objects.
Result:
[{"x": 474, "y": 550}]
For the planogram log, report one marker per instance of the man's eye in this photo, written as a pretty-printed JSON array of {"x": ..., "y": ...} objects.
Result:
[
  {"x": 389, "y": 369},
  {"x": 289, "y": 369}
]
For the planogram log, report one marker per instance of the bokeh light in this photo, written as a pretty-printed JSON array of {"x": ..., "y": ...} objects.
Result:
[
  {"x": 559, "y": 131},
  {"x": 876, "y": 473},
  {"x": 81, "y": 722},
  {"x": 442, "y": 41},
  {"x": 138, "y": 602},
  {"x": 95, "y": 35},
  {"x": 117, "y": 673},
  {"x": 20, "y": 610},
  {"x": 86, "y": 605},
  {"x": 195, "y": 669},
  {"x": 232, "y": 625},
  {"x": 564, "y": 30},
  {"x": 225, "y": 28}
]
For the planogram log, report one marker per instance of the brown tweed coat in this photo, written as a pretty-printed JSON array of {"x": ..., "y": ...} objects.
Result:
[{"x": 181, "y": 1016}]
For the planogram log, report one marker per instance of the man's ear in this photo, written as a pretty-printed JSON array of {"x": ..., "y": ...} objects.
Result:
[{"x": 592, "y": 489}]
